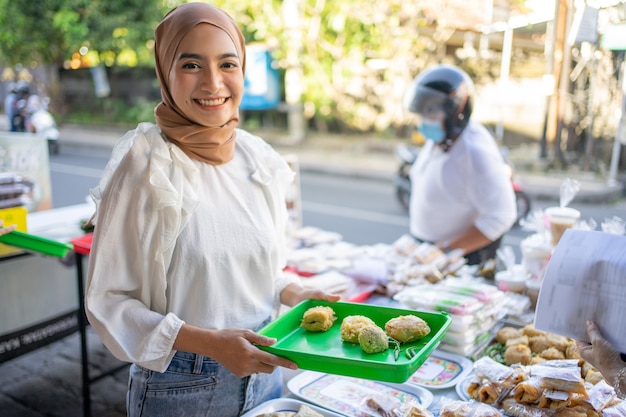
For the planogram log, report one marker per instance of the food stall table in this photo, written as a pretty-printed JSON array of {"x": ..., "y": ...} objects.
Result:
[
  {"x": 42, "y": 297},
  {"x": 82, "y": 248}
]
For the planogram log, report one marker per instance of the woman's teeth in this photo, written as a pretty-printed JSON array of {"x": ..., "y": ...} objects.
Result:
[{"x": 215, "y": 102}]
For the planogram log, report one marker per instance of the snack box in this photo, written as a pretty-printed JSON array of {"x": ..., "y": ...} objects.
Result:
[
  {"x": 327, "y": 352},
  {"x": 36, "y": 243},
  {"x": 286, "y": 405}
]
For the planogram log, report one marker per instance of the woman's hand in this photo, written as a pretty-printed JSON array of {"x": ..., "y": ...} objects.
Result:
[
  {"x": 600, "y": 353},
  {"x": 233, "y": 348},
  {"x": 293, "y": 294},
  {"x": 7, "y": 229}
]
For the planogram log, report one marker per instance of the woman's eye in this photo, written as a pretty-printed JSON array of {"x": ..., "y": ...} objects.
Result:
[
  {"x": 230, "y": 65},
  {"x": 190, "y": 65}
]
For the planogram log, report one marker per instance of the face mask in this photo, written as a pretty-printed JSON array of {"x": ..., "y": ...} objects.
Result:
[{"x": 432, "y": 131}]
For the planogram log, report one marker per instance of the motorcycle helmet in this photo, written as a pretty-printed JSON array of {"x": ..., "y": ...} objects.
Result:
[
  {"x": 22, "y": 88},
  {"x": 443, "y": 89}
]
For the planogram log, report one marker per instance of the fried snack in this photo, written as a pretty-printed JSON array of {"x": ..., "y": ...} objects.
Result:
[
  {"x": 571, "y": 351},
  {"x": 538, "y": 343},
  {"x": 557, "y": 341},
  {"x": 513, "y": 408},
  {"x": 373, "y": 339},
  {"x": 585, "y": 367},
  {"x": 506, "y": 333},
  {"x": 530, "y": 331},
  {"x": 552, "y": 353},
  {"x": 467, "y": 409},
  {"x": 351, "y": 326},
  {"x": 550, "y": 403},
  {"x": 383, "y": 404},
  {"x": 517, "y": 354},
  {"x": 416, "y": 410},
  {"x": 407, "y": 328},
  {"x": 593, "y": 376},
  {"x": 527, "y": 392},
  {"x": 537, "y": 359},
  {"x": 473, "y": 389},
  {"x": 318, "y": 319},
  {"x": 560, "y": 375},
  {"x": 489, "y": 392},
  {"x": 521, "y": 340},
  {"x": 576, "y": 412}
]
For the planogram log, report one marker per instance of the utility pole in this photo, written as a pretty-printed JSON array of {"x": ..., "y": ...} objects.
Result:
[
  {"x": 293, "y": 73},
  {"x": 560, "y": 74}
]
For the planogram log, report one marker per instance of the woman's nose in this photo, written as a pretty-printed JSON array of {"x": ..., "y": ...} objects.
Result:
[{"x": 212, "y": 81}]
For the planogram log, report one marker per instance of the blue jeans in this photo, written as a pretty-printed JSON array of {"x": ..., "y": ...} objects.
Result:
[{"x": 194, "y": 385}]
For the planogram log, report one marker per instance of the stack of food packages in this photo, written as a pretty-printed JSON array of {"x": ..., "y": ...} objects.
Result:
[
  {"x": 541, "y": 374},
  {"x": 417, "y": 275},
  {"x": 474, "y": 307}
]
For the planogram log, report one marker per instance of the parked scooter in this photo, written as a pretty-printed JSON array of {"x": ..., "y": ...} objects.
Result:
[
  {"x": 41, "y": 122},
  {"x": 402, "y": 181}
]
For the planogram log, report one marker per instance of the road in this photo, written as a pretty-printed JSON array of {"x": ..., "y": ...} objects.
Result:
[{"x": 363, "y": 211}]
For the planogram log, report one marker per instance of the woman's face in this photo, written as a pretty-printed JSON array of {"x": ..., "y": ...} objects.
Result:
[{"x": 206, "y": 79}]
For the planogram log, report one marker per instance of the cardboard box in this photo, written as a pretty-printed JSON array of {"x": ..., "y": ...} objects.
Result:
[{"x": 17, "y": 216}]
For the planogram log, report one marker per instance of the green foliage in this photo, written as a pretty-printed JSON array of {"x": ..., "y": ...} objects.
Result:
[
  {"x": 352, "y": 60},
  {"x": 113, "y": 112},
  {"x": 51, "y": 31}
]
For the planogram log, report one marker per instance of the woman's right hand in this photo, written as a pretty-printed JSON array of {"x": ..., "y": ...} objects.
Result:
[{"x": 235, "y": 349}]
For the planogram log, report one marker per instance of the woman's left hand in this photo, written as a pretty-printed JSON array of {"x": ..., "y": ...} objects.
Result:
[{"x": 295, "y": 293}]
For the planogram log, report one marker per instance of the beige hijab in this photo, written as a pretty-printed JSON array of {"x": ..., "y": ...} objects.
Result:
[{"x": 215, "y": 145}]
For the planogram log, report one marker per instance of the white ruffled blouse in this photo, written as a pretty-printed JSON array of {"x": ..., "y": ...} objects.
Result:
[{"x": 177, "y": 240}]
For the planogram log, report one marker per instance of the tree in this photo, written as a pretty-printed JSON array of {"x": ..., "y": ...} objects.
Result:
[{"x": 49, "y": 33}]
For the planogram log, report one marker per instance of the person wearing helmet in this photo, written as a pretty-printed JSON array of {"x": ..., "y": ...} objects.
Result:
[{"x": 461, "y": 196}]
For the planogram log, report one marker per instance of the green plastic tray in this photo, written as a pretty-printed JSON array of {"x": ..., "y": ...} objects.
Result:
[
  {"x": 36, "y": 243},
  {"x": 327, "y": 352}
]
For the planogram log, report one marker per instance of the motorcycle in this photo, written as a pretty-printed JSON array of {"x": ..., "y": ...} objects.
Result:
[
  {"x": 407, "y": 154},
  {"x": 41, "y": 122}
]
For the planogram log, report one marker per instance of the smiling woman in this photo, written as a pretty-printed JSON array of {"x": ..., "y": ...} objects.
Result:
[{"x": 190, "y": 244}]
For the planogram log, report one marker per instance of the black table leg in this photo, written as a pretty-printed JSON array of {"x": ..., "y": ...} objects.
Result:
[{"x": 82, "y": 325}]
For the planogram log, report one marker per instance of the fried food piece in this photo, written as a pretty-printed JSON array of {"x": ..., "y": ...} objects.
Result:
[
  {"x": 557, "y": 341},
  {"x": 571, "y": 351},
  {"x": 517, "y": 354},
  {"x": 373, "y": 339},
  {"x": 552, "y": 353},
  {"x": 473, "y": 389},
  {"x": 593, "y": 376},
  {"x": 527, "y": 392},
  {"x": 530, "y": 331},
  {"x": 351, "y": 326},
  {"x": 407, "y": 328},
  {"x": 318, "y": 319},
  {"x": 506, "y": 333},
  {"x": 383, "y": 404},
  {"x": 522, "y": 340},
  {"x": 538, "y": 343}
]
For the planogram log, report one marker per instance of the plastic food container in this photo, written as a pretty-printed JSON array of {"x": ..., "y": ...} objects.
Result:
[
  {"x": 533, "y": 287},
  {"x": 327, "y": 352},
  {"x": 513, "y": 280}
]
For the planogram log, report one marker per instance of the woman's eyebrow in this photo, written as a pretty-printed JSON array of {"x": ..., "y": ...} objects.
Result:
[{"x": 188, "y": 55}]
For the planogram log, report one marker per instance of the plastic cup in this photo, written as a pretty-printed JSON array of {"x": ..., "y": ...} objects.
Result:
[
  {"x": 561, "y": 219},
  {"x": 536, "y": 252},
  {"x": 533, "y": 287},
  {"x": 513, "y": 280}
]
